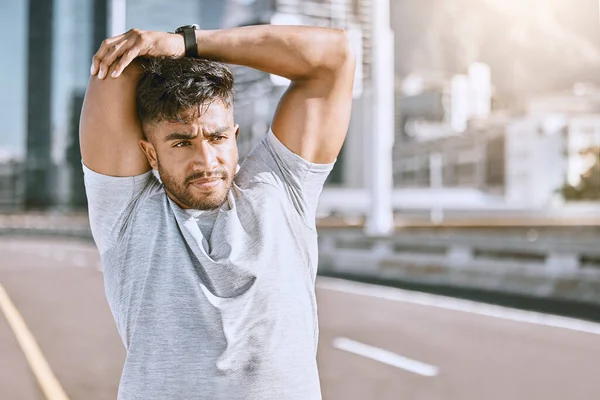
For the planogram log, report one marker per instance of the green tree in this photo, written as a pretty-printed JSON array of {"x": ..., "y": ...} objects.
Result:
[{"x": 589, "y": 186}]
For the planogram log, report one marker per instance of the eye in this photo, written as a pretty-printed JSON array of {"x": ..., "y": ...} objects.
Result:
[
  {"x": 218, "y": 138},
  {"x": 185, "y": 143}
]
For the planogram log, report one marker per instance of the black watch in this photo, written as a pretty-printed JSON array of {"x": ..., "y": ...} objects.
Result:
[{"x": 189, "y": 38}]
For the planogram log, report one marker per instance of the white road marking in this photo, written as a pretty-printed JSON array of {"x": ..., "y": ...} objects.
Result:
[
  {"x": 449, "y": 303},
  {"x": 38, "y": 364},
  {"x": 384, "y": 356}
]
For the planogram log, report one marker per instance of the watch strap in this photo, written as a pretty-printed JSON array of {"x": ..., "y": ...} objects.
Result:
[
  {"x": 189, "y": 39},
  {"x": 191, "y": 47}
]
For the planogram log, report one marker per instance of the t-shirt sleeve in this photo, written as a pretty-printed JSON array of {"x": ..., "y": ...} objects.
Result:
[
  {"x": 111, "y": 201},
  {"x": 301, "y": 181}
]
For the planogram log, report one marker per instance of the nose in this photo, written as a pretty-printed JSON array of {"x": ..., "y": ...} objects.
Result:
[{"x": 206, "y": 156}]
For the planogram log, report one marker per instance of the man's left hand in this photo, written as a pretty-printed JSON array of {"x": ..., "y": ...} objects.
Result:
[{"x": 118, "y": 52}]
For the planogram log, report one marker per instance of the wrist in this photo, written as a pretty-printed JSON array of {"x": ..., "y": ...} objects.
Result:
[
  {"x": 178, "y": 44},
  {"x": 203, "y": 41},
  {"x": 166, "y": 44}
]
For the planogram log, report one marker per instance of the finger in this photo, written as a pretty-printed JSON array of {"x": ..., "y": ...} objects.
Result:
[
  {"x": 124, "y": 61},
  {"x": 111, "y": 69},
  {"x": 102, "y": 50},
  {"x": 115, "y": 51}
]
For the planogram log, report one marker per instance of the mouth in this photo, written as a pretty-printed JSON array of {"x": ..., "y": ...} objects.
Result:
[{"x": 206, "y": 184}]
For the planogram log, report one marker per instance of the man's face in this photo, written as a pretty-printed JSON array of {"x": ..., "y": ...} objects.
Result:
[{"x": 196, "y": 161}]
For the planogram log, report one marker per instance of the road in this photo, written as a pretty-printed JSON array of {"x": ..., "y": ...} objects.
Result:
[{"x": 375, "y": 343}]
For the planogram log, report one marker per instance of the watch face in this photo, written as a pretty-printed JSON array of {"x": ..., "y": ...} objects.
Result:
[{"x": 181, "y": 28}]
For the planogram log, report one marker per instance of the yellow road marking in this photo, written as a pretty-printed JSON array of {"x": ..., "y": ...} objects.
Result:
[{"x": 38, "y": 364}]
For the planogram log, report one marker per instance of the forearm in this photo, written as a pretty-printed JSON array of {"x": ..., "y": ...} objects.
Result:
[{"x": 294, "y": 52}]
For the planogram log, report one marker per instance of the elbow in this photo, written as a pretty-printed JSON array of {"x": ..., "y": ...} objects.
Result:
[
  {"x": 328, "y": 52},
  {"x": 339, "y": 53}
]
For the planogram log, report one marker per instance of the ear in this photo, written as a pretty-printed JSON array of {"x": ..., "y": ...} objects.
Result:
[
  {"x": 237, "y": 130},
  {"x": 150, "y": 153}
]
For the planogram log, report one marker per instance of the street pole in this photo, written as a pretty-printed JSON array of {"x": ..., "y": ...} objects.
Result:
[
  {"x": 380, "y": 220},
  {"x": 436, "y": 182}
]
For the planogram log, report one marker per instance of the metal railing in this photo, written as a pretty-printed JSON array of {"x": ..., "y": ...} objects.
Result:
[{"x": 551, "y": 266}]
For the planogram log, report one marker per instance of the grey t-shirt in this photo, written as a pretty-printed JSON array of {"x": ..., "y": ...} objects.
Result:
[{"x": 215, "y": 305}]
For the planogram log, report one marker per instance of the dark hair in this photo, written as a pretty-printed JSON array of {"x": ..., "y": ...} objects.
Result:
[{"x": 170, "y": 87}]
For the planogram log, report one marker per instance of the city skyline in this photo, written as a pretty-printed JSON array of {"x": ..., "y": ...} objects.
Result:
[
  {"x": 473, "y": 155},
  {"x": 71, "y": 55},
  {"x": 567, "y": 27}
]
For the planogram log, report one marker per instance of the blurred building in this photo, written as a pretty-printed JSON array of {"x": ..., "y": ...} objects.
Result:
[
  {"x": 44, "y": 99},
  {"x": 473, "y": 160},
  {"x": 69, "y": 32},
  {"x": 582, "y": 146},
  {"x": 448, "y": 132},
  {"x": 38, "y": 162},
  {"x": 535, "y": 161},
  {"x": 257, "y": 95},
  {"x": 577, "y": 114},
  {"x": 12, "y": 186},
  {"x": 448, "y": 116},
  {"x": 57, "y": 56},
  {"x": 434, "y": 104},
  {"x": 526, "y": 158},
  {"x": 545, "y": 153}
]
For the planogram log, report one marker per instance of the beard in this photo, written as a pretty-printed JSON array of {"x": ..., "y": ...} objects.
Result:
[{"x": 183, "y": 191}]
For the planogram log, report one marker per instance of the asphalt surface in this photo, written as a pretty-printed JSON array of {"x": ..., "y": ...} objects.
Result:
[{"x": 425, "y": 351}]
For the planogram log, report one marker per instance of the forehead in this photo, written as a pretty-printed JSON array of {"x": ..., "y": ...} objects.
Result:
[{"x": 205, "y": 118}]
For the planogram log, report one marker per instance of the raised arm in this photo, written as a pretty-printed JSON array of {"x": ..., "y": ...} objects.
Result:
[
  {"x": 313, "y": 116},
  {"x": 110, "y": 130}
]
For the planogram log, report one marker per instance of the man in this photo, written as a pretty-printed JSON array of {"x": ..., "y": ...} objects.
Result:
[{"x": 209, "y": 271}]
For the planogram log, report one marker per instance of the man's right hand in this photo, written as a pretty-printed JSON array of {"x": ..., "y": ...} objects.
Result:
[{"x": 118, "y": 52}]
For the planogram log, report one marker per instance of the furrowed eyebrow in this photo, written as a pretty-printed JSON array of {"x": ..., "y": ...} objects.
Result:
[
  {"x": 188, "y": 136},
  {"x": 179, "y": 136},
  {"x": 217, "y": 131}
]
